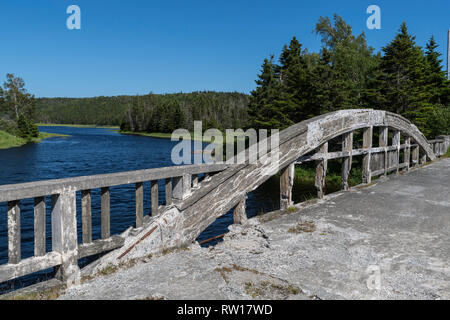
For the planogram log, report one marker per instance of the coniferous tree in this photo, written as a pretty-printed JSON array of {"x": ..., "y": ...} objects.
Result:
[
  {"x": 434, "y": 117},
  {"x": 402, "y": 74},
  {"x": 263, "y": 112},
  {"x": 322, "y": 86},
  {"x": 351, "y": 63},
  {"x": 435, "y": 82},
  {"x": 294, "y": 85}
]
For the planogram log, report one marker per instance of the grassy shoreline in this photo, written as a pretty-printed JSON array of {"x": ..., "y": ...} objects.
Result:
[
  {"x": 9, "y": 141},
  {"x": 75, "y": 125},
  {"x": 159, "y": 135}
]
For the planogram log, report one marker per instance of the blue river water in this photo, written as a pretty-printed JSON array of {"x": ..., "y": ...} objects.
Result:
[{"x": 89, "y": 151}]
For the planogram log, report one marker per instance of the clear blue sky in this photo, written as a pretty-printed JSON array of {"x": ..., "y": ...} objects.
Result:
[{"x": 138, "y": 46}]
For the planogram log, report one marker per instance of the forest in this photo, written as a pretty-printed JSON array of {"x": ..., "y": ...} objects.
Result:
[
  {"x": 347, "y": 73},
  {"x": 149, "y": 113}
]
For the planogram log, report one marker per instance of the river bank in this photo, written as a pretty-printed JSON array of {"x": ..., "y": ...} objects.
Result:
[
  {"x": 161, "y": 135},
  {"x": 8, "y": 140},
  {"x": 76, "y": 125}
]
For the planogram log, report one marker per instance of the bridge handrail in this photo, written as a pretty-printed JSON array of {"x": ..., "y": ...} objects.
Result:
[
  {"x": 65, "y": 248},
  {"x": 19, "y": 191}
]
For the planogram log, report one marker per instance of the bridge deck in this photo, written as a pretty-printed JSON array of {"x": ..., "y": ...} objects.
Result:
[{"x": 399, "y": 228}]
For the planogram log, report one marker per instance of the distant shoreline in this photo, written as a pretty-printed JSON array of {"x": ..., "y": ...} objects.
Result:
[
  {"x": 76, "y": 125},
  {"x": 159, "y": 135}
]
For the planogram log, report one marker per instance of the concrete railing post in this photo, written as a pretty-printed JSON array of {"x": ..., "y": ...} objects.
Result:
[
  {"x": 286, "y": 184},
  {"x": 64, "y": 235},
  {"x": 396, "y": 143},
  {"x": 407, "y": 153},
  {"x": 181, "y": 187},
  {"x": 423, "y": 159},
  {"x": 139, "y": 191},
  {"x": 383, "y": 142},
  {"x": 367, "y": 145},
  {"x": 105, "y": 213},
  {"x": 347, "y": 146},
  {"x": 240, "y": 214},
  {"x": 321, "y": 171},
  {"x": 154, "y": 198},
  {"x": 39, "y": 226},
  {"x": 446, "y": 144},
  {"x": 14, "y": 249},
  {"x": 168, "y": 189},
  {"x": 415, "y": 156}
]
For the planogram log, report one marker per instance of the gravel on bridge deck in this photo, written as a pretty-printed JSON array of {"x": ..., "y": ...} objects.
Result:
[{"x": 386, "y": 241}]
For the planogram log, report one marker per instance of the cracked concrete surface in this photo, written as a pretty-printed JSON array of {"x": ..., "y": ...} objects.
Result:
[{"x": 386, "y": 241}]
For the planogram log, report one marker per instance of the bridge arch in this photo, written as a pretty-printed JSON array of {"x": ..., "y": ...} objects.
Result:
[
  {"x": 180, "y": 223},
  {"x": 228, "y": 189}
]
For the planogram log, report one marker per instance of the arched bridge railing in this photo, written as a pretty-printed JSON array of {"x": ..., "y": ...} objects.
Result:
[
  {"x": 192, "y": 205},
  {"x": 308, "y": 141}
]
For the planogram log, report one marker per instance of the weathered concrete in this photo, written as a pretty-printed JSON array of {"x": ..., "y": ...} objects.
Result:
[
  {"x": 239, "y": 213},
  {"x": 26, "y": 266},
  {"x": 39, "y": 226},
  {"x": 321, "y": 171},
  {"x": 286, "y": 185},
  {"x": 347, "y": 146},
  {"x": 86, "y": 216},
  {"x": 64, "y": 235},
  {"x": 399, "y": 228},
  {"x": 367, "y": 144},
  {"x": 14, "y": 252}
]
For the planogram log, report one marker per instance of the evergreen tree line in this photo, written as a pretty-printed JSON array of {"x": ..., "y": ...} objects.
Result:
[
  {"x": 165, "y": 113},
  {"x": 17, "y": 109},
  {"x": 347, "y": 73},
  {"x": 151, "y": 112},
  {"x": 89, "y": 111}
]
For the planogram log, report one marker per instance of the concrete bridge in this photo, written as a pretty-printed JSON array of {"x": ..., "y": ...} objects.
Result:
[
  {"x": 196, "y": 195},
  {"x": 388, "y": 240}
]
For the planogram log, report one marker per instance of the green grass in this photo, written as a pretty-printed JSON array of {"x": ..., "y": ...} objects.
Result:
[
  {"x": 304, "y": 181},
  {"x": 45, "y": 135},
  {"x": 9, "y": 141},
  {"x": 48, "y": 294},
  {"x": 447, "y": 154},
  {"x": 158, "y": 135}
]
